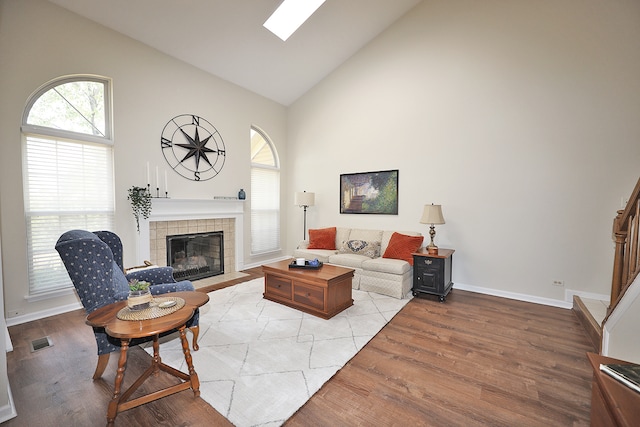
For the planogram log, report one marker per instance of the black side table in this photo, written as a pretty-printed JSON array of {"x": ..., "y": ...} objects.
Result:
[{"x": 432, "y": 273}]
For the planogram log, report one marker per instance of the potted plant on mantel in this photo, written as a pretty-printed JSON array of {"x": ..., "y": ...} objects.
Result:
[
  {"x": 140, "y": 203},
  {"x": 139, "y": 295}
]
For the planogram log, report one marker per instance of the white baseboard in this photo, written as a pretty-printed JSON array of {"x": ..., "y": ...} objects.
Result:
[
  {"x": 515, "y": 296},
  {"x": 569, "y": 293},
  {"x": 8, "y": 411},
  {"x": 18, "y": 320}
]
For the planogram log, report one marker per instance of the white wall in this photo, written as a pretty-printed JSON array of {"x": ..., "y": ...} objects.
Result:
[
  {"x": 39, "y": 42},
  {"x": 519, "y": 117}
]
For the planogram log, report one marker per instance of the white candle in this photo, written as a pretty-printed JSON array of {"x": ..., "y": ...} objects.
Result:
[
  {"x": 166, "y": 183},
  {"x": 157, "y": 178},
  {"x": 148, "y": 180}
]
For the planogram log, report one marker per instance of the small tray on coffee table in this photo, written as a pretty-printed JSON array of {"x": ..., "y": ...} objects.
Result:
[{"x": 306, "y": 265}]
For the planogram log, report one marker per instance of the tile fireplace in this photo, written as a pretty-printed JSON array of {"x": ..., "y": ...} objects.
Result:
[{"x": 171, "y": 217}]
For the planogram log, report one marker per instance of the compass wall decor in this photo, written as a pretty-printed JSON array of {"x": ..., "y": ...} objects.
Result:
[{"x": 193, "y": 147}]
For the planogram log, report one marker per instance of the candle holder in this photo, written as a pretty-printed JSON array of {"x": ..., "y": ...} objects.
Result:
[{"x": 157, "y": 196}]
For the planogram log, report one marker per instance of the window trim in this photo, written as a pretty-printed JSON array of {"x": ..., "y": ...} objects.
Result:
[
  {"x": 27, "y": 128},
  {"x": 48, "y": 133},
  {"x": 276, "y": 157},
  {"x": 275, "y": 168}
]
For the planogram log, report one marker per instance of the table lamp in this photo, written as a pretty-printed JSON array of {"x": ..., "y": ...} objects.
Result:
[{"x": 432, "y": 214}]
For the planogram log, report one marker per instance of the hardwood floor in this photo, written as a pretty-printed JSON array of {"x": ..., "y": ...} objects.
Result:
[{"x": 474, "y": 360}]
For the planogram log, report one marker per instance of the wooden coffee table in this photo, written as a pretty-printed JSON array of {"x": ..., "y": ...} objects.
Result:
[
  {"x": 324, "y": 292},
  {"x": 106, "y": 317}
]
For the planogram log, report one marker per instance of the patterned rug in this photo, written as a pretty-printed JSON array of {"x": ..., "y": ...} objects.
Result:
[{"x": 260, "y": 361}]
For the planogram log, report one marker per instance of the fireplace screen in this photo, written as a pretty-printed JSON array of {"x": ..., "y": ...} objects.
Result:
[{"x": 196, "y": 256}]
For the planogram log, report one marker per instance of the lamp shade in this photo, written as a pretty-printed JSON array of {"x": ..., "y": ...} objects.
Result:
[
  {"x": 304, "y": 199},
  {"x": 432, "y": 214}
]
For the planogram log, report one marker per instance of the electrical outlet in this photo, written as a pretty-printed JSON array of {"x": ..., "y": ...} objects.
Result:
[
  {"x": 14, "y": 313},
  {"x": 558, "y": 283}
]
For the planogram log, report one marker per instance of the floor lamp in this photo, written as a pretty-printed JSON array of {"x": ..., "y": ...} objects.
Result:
[{"x": 304, "y": 200}]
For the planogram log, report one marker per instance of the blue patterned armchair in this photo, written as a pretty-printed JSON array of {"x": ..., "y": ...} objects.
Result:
[{"x": 94, "y": 264}]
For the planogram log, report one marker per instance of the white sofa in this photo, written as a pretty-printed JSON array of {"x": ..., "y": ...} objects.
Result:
[{"x": 385, "y": 276}]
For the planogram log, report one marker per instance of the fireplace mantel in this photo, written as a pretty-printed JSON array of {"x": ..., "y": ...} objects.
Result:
[{"x": 189, "y": 209}]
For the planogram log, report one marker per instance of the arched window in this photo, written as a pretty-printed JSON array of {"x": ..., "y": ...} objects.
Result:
[
  {"x": 68, "y": 171},
  {"x": 265, "y": 194}
]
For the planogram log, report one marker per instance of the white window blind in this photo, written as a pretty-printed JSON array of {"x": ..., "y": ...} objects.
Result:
[
  {"x": 265, "y": 210},
  {"x": 68, "y": 171},
  {"x": 68, "y": 185},
  {"x": 265, "y": 194}
]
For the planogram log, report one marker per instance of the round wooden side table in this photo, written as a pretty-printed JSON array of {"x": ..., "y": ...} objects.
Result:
[{"x": 107, "y": 317}]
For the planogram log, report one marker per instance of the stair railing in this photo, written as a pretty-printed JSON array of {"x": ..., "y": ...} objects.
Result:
[{"x": 626, "y": 263}]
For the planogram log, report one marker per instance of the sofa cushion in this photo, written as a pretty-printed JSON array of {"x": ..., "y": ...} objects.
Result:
[
  {"x": 322, "y": 238},
  {"x": 386, "y": 265},
  {"x": 366, "y": 235},
  {"x": 386, "y": 236},
  {"x": 342, "y": 234},
  {"x": 402, "y": 246},
  {"x": 348, "y": 260},
  {"x": 321, "y": 254},
  {"x": 360, "y": 247}
]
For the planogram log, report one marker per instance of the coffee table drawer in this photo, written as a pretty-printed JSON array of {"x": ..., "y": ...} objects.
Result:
[
  {"x": 278, "y": 286},
  {"x": 309, "y": 295}
]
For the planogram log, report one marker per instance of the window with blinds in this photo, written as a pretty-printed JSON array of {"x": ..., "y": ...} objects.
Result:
[
  {"x": 265, "y": 195},
  {"x": 68, "y": 172}
]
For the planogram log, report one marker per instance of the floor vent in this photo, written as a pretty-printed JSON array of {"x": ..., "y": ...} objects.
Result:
[{"x": 40, "y": 343}]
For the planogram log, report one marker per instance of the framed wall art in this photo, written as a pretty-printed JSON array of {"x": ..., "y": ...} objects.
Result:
[{"x": 369, "y": 193}]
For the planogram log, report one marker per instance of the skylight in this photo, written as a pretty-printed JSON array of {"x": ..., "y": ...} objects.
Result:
[{"x": 290, "y": 15}]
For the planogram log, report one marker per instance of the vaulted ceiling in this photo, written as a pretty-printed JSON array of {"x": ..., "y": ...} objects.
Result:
[{"x": 226, "y": 37}]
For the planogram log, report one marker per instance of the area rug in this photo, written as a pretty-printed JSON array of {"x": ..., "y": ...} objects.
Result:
[{"x": 259, "y": 361}]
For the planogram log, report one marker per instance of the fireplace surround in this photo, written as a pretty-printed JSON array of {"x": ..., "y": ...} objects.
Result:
[{"x": 183, "y": 216}]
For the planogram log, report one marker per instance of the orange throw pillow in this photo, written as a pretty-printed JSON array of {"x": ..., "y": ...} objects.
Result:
[
  {"x": 402, "y": 246},
  {"x": 322, "y": 238}
]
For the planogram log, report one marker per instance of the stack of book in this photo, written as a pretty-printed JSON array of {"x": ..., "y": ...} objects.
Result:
[{"x": 628, "y": 375}]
